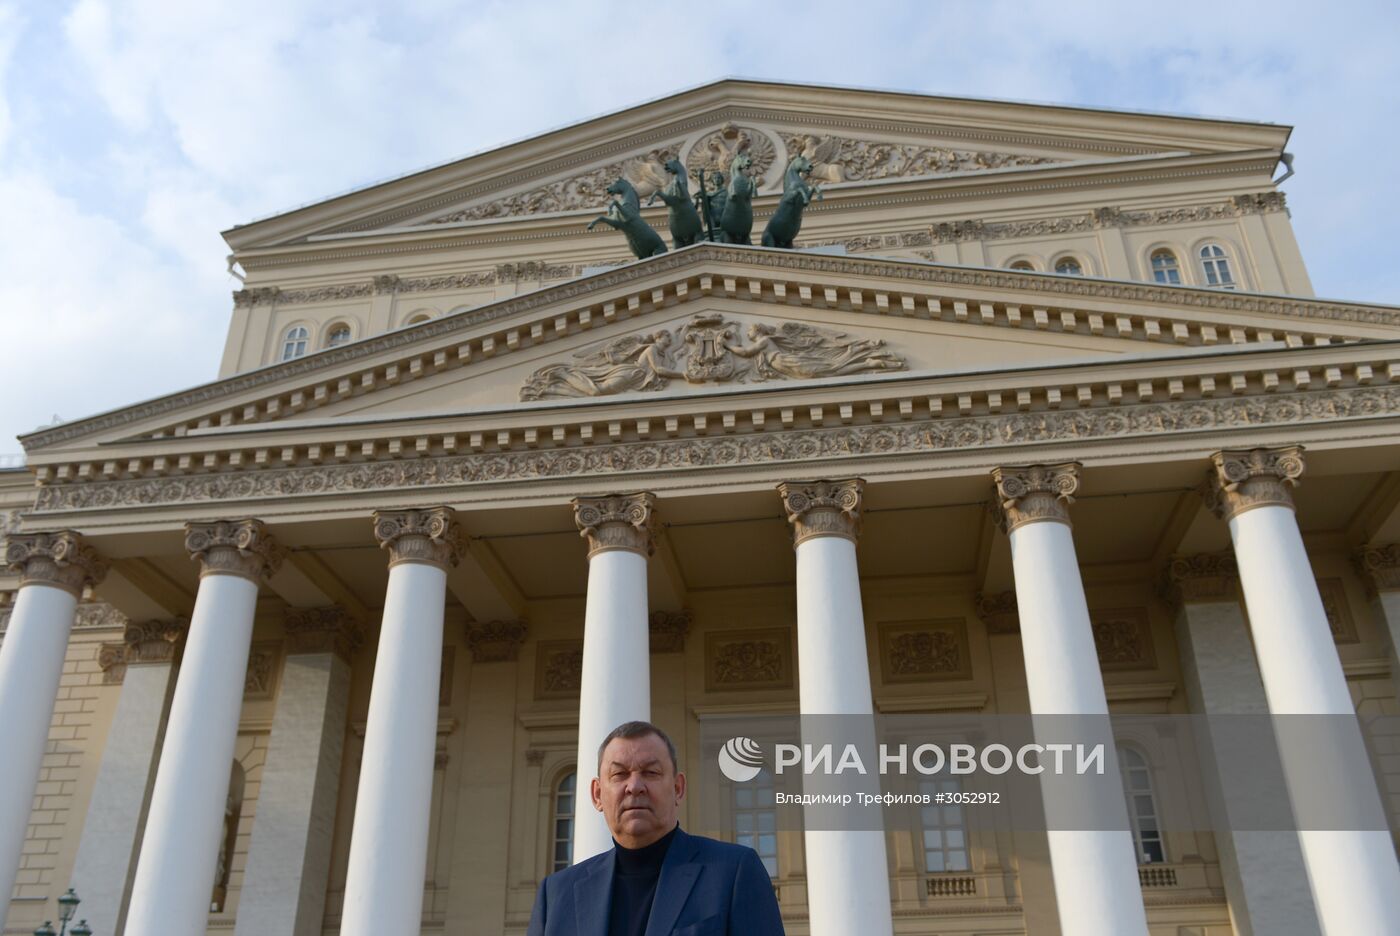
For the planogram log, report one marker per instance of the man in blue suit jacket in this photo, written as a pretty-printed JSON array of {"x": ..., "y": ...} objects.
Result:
[{"x": 656, "y": 880}]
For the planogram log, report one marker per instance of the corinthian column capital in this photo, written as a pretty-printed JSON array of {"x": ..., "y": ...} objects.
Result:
[
  {"x": 823, "y": 508},
  {"x": 63, "y": 560},
  {"x": 622, "y": 521},
  {"x": 1380, "y": 566},
  {"x": 1032, "y": 493},
  {"x": 328, "y": 629},
  {"x": 234, "y": 547},
  {"x": 431, "y": 536},
  {"x": 1242, "y": 480},
  {"x": 1203, "y": 578}
]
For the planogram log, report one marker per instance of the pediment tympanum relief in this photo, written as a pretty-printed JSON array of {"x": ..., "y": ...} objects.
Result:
[
  {"x": 710, "y": 349},
  {"x": 834, "y": 159}
]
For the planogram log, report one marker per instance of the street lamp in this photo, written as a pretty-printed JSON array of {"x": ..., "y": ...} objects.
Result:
[{"x": 67, "y": 907}]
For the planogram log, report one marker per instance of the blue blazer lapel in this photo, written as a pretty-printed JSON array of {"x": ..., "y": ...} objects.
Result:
[
  {"x": 678, "y": 876},
  {"x": 593, "y": 895}
]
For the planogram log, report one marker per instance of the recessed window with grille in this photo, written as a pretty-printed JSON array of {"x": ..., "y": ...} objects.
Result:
[
  {"x": 1022, "y": 265},
  {"x": 338, "y": 335},
  {"x": 563, "y": 855},
  {"x": 1142, "y": 805},
  {"x": 944, "y": 835},
  {"x": 1216, "y": 267},
  {"x": 1068, "y": 266},
  {"x": 1165, "y": 269},
  {"x": 756, "y": 819}
]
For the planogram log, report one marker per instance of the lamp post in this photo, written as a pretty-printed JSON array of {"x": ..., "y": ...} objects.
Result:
[{"x": 67, "y": 907}]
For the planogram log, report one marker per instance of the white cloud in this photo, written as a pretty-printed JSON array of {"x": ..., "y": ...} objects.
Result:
[{"x": 10, "y": 27}]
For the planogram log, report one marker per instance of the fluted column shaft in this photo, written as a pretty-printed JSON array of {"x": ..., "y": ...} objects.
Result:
[
  {"x": 389, "y": 845},
  {"x": 1095, "y": 872},
  {"x": 847, "y": 870},
  {"x": 615, "y": 685},
  {"x": 180, "y": 847},
  {"x": 54, "y": 568},
  {"x": 1354, "y": 874}
]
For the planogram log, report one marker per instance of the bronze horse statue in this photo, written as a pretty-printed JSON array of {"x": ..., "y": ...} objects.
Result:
[
  {"x": 625, "y": 215},
  {"x": 797, "y": 194},
  {"x": 686, "y": 228},
  {"x": 736, "y": 221}
]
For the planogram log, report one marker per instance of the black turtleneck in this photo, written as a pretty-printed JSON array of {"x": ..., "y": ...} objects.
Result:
[{"x": 635, "y": 873}]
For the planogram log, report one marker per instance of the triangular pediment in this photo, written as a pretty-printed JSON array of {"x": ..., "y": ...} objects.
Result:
[
  {"x": 737, "y": 320},
  {"x": 856, "y": 138}
]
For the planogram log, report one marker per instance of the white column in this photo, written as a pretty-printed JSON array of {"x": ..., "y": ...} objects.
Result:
[
  {"x": 1354, "y": 874},
  {"x": 284, "y": 888},
  {"x": 106, "y": 860},
  {"x": 180, "y": 847},
  {"x": 1096, "y": 878},
  {"x": 53, "y": 569},
  {"x": 848, "y": 884},
  {"x": 1265, "y": 881},
  {"x": 389, "y": 844},
  {"x": 615, "y": 685}
]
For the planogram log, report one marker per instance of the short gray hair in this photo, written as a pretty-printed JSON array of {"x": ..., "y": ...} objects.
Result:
[{"x": 639, "y": 729}]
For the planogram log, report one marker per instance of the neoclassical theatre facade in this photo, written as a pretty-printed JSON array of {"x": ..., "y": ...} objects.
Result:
[{"x": 1039, "y": 415}]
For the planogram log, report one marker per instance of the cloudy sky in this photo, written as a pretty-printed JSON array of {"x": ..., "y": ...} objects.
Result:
[{"x": 133, "y": 131}]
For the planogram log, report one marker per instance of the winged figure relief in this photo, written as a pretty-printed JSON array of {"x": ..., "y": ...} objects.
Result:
[{"x": 824, "y": 155}]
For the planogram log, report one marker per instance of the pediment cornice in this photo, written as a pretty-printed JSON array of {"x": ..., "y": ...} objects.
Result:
[{"x": 1180, "y": 317}]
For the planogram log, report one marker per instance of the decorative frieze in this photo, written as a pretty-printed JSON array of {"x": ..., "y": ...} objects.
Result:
[
  {"x": 264, "y": 659},
  {"x": 920, "y": 651},
  {"x": 1338, "y": 612},
  {"x": 234, "y": 547},
  {"x": 495, "y": 641},
  {"x": 142, "y": 642},
  {"x": 667, "y": 630},
  {"x": 256, "y": 295},
  {"x": 431, "y": 536},
  {"x": 329, "y": 629},
  {"x": 62, "y": 560},
  {"x": 1123, "y": 639},
  {"x": 822, "y": 508},
  {"x": 1034, "y": 493},
  {"x": 98, "y": 615},
  {"x": 1200, "y": 579},
  {"x": 558, "y": 669},
  {"x": 949, "y": 232},
  {"x": 1261, "y": 477},
  {"x": 843, "y": 159},
  {"x": 758, "y": 658},
  {"x": 619, "y": 521},
  {"x": 998, "y": 612},
  {"x": 773, "y": 445}
]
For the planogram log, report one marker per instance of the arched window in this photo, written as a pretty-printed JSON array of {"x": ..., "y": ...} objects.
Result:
[
  {"x": 945, "y": 836},
  {"x": 417, "y": 317},
  {"x": 1024, "y": 265},
  {"x": 1165, "y": 269},
  {"x": 338, "y": 335},
  {"x": 756, "y": 819},
  {"x": 233, "y": 811},
  {"x": 294, "y": 345},
  {"x": 1216, "y": 267},
  {"x": 563, "y": 855},
  {"x": 1142, "y": 806},
  {"x": 1068, "y": 266}
]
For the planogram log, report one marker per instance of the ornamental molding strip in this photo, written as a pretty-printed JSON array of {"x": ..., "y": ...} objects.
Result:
[
  {"x": 772, "y": 444},
  {"x": 61, "y": 560},
  {"x": 431, "y": 536},
  {"x": 1035, "y": 493},
  {"x": 1200, "y": 579},
  {"x": 950, "y": 232},
  {"x": 245, "y": 548},
  {"x": 822, "y": 508},
  {"x": 495, "y": 641},
  {"x": 1261, "y": 477},
  {"x": 617, "y": 522},
  {"x": 329, "y": 629},
  {"x": 440, "y": 344},
  {"x": 667, "y": 631}
]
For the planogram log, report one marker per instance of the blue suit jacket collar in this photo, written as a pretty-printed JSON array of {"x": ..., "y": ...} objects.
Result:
[{"x": 593, "y": 892}]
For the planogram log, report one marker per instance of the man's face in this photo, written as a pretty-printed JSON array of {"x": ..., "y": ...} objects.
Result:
[{"x": 638, "y": 790}]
